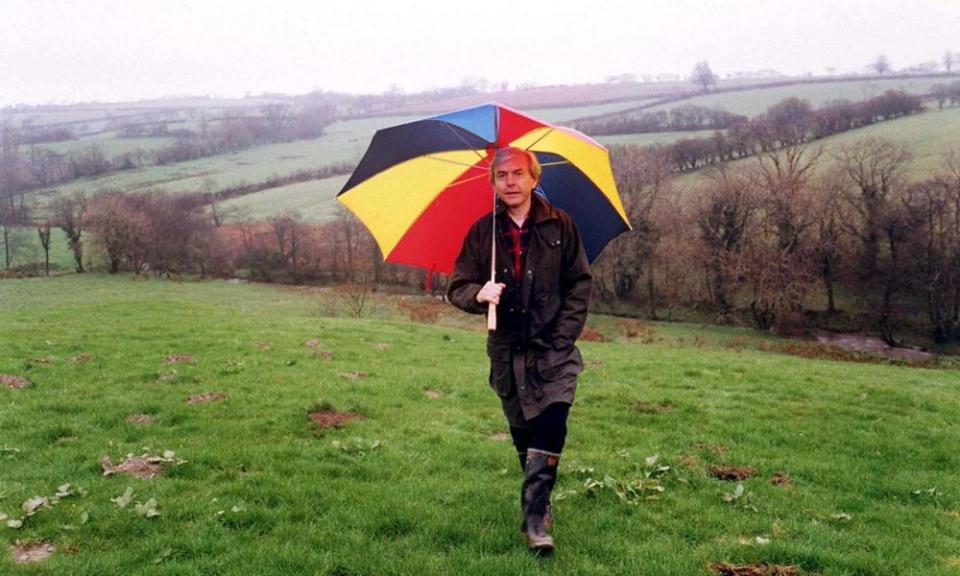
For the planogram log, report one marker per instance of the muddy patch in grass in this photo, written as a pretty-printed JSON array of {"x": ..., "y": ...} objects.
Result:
[
  {"x": 141, "y": 419},
  {"x": 722, "y": 472},
  {"x": 313, "y": 343},
  {"x": 781, "y": 478},
  {"x": 179, "y": 359},
  {"x": 332, "y": 419},
  {"x": 726, "y": 569},
  {"x": 14, "y": 382},
  {"x": 431, "y": 393},
  {"x": 323, "y": 354},
  {"x": 138, "y": 467},
  {"x": 81, "y": 358},
  {"x": 652, "y": 407},
  {"x": 29, "y": 552},
  {"x": 205, "y": 397}
]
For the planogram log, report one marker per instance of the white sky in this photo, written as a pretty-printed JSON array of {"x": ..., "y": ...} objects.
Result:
[{"x": 66, "y": 50}]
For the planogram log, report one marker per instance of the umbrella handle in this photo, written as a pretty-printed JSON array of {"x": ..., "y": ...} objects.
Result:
[
  {"x": 492, "y": 317},
  {"x": 492, "y": 308}
]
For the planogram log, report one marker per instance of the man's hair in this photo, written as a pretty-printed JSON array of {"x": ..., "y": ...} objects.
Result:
[{"x": 504, "y": 154}]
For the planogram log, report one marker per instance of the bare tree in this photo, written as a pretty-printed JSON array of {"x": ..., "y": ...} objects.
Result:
[
  {"x": 950, "y": 59},
  {"x": 703, "y": 76},
  {"x": 43, "y": 231},
  {"x": 880, "y": 65}
]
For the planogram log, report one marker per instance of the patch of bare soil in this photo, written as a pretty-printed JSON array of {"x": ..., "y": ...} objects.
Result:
[
  {"x": 324, "y": 354},
  {"x": 718, "y": 449},
  {"x": 688, "y": 460},
  {"x": 353, "y": 375},
  {"x": 726, "y": 569},
  {"x": 206, "y": 397},
  {"x": 652, "y": 407},
  {"x": 871, "y": 345},
  {"x": 29, "y": 552},
  {"x": 14, "y": 382},
  {"x": 431, "y": 393},
  {"x": 313, "y": 343},
  {"x": 331, "y": 419},
  {"x": 781, "y": 478},
  {"x": 499, "y": 437},
  {"x": 264, "y": 345},
  {"x": 381, "y": 346},
  {"x": 179, "y": 359},
  {"x": 139, "y": 467},
  {"x": 140, "y": 419},
  {"x": 722, "y": 472},
  {"x": 81, "y": 358}
]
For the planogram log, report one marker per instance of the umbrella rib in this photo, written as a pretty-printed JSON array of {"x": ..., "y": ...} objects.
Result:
[
  {"x": 537, "y": 141},
  {"x": 462, "y": 139},
  {"x": 448, "y": 161}
]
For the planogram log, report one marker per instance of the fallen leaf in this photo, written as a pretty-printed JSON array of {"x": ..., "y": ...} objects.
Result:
[
  {"x": 31, "y": 505},
  {"x": 124, "y": 499},
  {"x": 148, "y": 508}
]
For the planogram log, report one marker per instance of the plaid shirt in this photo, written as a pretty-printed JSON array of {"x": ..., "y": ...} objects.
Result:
[{"x": 516, "y": 239}]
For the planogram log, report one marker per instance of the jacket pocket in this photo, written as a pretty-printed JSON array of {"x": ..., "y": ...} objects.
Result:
[{"x": 501, "y": 378}]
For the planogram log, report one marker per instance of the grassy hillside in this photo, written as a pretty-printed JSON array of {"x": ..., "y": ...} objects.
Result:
[{"x": 425, "y": 482}]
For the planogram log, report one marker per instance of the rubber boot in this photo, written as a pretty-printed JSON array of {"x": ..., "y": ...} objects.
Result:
[
  {"x": 540, "y": 477},
  {"x": 548, "y": 517}
]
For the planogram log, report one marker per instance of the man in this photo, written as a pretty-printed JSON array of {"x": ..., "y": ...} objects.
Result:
[{"x": 541, "y": 293}]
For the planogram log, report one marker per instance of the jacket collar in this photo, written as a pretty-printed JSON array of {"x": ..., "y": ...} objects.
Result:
[{"x": 540, "y": 209}]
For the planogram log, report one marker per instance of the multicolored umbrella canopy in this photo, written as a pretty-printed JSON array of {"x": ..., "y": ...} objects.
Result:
[{"x": 421, "y": 185}]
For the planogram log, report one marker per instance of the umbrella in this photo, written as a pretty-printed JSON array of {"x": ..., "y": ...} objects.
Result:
[{"x": 420, "y": 185}]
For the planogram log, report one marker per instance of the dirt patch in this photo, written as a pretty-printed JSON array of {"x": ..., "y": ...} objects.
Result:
[
  {"x": 725, "y": 569},
  {"x": 781, "y": 478},
  {"x": 323, "y": 354},
  {"x": 14, "y": 382},
  {"x": 313, "y": 343},
  {"x": 264, "y": 345},
  {"x": 81, "y": 358},
  {"x": 179, "y": 359},
  {"x": 431, "y": 393},
  {"x": 206, "y": 397},
  {"x": 593, "y": 363},
  {"x": 331, "y": 419},
  {"x": 722, "y": 472},
  {"x": 353, "y": 375},
  {"x": 499, "y": 437},
  {"x": 592, "y": 335},
  {"x": 138, "y": 467},
  {"x": 718, "y": 449},
  {"x": 142, "y": 419},
  {"x": 871, "y": 345},
  {"x": 381, "y": 346},
  {"x": 29, "y": 552},
  {"x": 652, "y": 407},
  {"x": 688, "y": 460}
]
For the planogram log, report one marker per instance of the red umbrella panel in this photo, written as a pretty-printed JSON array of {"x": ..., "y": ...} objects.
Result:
[{"x": 421, "y": 185}]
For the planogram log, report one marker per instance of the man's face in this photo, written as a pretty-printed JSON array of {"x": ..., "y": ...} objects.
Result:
[{"x": 513, "y": 182}]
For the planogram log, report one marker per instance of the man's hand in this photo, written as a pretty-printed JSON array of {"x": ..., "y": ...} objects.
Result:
[{"x": 490, "y": 292}]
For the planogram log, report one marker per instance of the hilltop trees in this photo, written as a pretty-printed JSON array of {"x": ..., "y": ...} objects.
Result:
[
  {"x": 880, "y": 65},
  {"x": 703, "y": 76}
]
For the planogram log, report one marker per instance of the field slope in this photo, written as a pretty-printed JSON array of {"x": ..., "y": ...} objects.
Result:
[{"x": 426, "y": 483}]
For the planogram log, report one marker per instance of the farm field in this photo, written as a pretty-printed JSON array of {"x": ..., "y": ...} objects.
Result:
[
  {"x": 314, "y": 201},
  {"x": 855, "y": 465}
]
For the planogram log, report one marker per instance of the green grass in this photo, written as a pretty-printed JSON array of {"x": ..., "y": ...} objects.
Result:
[
  {"x": 315, "y": 201},
  {"x": 110, "y": 144},
  {"x": 263, "y": 493},
  {"x": 26, "y": 249}
]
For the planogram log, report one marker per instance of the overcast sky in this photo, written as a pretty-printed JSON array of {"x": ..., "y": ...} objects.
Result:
[{"x": 66, "y": 51}]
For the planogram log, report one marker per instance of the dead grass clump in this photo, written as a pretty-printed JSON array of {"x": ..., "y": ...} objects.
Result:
[
  {"x": 499, "y": 436},
  {"x": 717, "y": 449},
  {"x": 634, "y": 329},
  {"x": 42, "y": 360},
  {"x": 726, "y": 569},
  {"x": 652, "y": 407},
  {"x": 264, "y": 345},
  {"x": 29, "y": 552},
  {"x": 179, "y": 359},
  {"x": 380, "y": 346},
  {"x": 142, "y": 419},
  {"x": 421, "y": 312},
  {"x": 592, "y": 335},
  {"x": 356, "y": 374},
  {"x": 81, "y": 358},
  {"x": 323, "y": 354},
  {"x": 593, "y": 363},
  {"x": 14, "y": 382},
  {"x": 205, "y": 397},
  {"x": 722, "y": 472},
  {"x": 313, "y": 343},
  {"x": 431, "y": 393},
  {"x": 688, "y": 460},
  {"x": 138, "y": 467},
  {"x": 781, "y": 478},
  {"x": 332, "y": 419}
]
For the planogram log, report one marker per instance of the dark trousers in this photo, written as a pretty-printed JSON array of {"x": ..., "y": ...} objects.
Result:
[{"x": 545, "y": 433}]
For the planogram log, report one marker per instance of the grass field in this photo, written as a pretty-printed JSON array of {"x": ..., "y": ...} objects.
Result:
[
  {"x": 426, "y": 482},
  {"x": 315, "y": 201}
]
